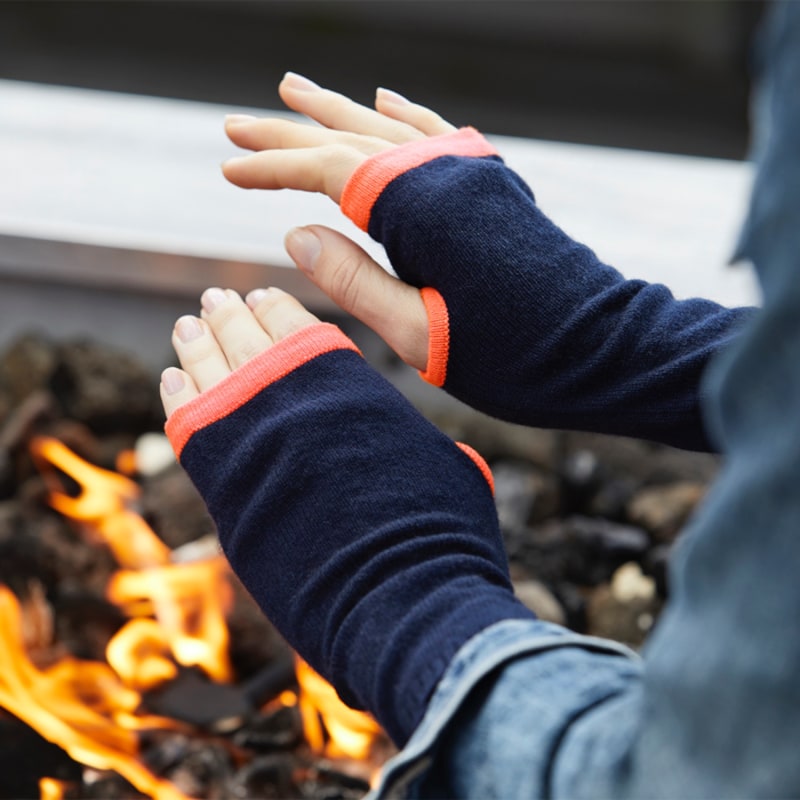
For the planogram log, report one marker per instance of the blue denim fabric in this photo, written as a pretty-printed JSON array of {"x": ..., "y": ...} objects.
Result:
[{"x": 713, "y": 710}]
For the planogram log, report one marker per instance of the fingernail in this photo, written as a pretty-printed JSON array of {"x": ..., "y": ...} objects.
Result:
[
  {"x": 188, "y": 329},
  {"x": 172, "y": 380},
  {"x": 255, "y": 297},
  {"x": 211, "y": 298},
  {"x": 295, "y": 81},
  {"x": 236, "y": 119},
  {"x": 392, "y": 97},
  {"x": 304, "y": 247}
]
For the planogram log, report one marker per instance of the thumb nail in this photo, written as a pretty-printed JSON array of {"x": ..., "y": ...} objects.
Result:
[{"x": 304, "y": 247}]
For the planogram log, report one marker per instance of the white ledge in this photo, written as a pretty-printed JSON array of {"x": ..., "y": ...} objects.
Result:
[{"x": 125, "y": 191}]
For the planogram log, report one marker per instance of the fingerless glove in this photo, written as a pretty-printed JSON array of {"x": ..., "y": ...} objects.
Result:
[
  {"x": 368, "y": 537},
  {"x": 525, "y": 323}
]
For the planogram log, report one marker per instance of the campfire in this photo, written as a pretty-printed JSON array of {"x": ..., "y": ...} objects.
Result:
[{"x": 135, "y": 665}]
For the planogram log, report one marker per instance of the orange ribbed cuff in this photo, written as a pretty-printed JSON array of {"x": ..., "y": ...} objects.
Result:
[
  {"x": 365, "y": 185},
  {"x": 480, "y": 463},
  {"x": 438, "y": 337},
  {"x": 248, "y": 380}
]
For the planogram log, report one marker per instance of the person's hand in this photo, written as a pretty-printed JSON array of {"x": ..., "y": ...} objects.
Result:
[
  {"x": 227, "y": 334},
  {"x": 367, "y": 536},
  {"x": 294, "y": 155}
]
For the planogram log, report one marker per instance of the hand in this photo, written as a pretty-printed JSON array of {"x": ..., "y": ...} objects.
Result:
[
  {"x": 227, "y": 334},
  {"x": 321, "y": 159},
  {"x": 293, "y": 155}
]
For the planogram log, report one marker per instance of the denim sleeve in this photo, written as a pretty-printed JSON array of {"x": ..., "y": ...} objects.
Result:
[{"x": 713, "y": 710}]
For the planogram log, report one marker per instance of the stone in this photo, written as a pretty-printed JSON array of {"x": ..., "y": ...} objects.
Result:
[
  {"x": 581, "y": 550},
  {"x": 26, "y": 366},
  {"x": 629, "y": 583},
  {"x": 524, "y": 493},
  {"x": 539, "y": 599},
  {"x": 173, "y": 507},
  {"x": 626, "y": 608},
  {"x": 106, "y": 389},
  {"x": 664, "y": 510},
  {"x": 153, "y": 454}
]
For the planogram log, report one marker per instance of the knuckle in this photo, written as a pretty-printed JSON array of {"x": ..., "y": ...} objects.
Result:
[
  {"x": 339, "y": 161},
  {"x": 244, "y": 351},
  {"x": 200, "y": 350},
  {"x": 273, "y": 299},
  {"x": 345, "y": 283},
  {"x": 224, "y": 317}
]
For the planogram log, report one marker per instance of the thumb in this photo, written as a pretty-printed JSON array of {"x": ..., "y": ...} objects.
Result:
[{"x": 361, "y": 287}]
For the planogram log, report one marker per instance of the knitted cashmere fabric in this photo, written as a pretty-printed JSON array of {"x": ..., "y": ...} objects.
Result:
[
  {"x": 527, "y": 324},
  {"x": 367, "y": 537}
]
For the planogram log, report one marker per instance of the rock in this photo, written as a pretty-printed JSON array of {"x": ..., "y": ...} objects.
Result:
[
  {"x": 581, "y": 478},
  {"x": 153, "y": 454},
  {"x": 612, "y": 499},
  {"x": 656, "y": 564},
  {"x": 106, "y": 389},
  {"x": 174, "y": 509},
  {"x": 573, "y": 601},
  {"x": 539, "y": 599},
  {"x": 581, "y": 550},
  {"x": 624, "y": 609},
  {"x": 663, "y": 510},
  {"x": 523, "y": 493},
  {"x": 628, "y": 583},
  {"x": 26, "y": 366}
]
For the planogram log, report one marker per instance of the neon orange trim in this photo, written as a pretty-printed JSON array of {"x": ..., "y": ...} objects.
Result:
[
  {"x": 247, "y": 381},
  {"x": 480, "y": 463},
  {"x": 365, "y": 185},
  {"x": 438, "y": 337}
]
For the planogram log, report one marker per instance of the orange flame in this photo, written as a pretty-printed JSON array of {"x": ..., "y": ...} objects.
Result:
[
  {"x": 58, "y": 710},
  {"x": 351, "y": 733},
  {"x": 104, "y": 502},
  {"x": 51, "y": 789},
  {"x": 189, "y": 601},
  {"x": 177, "y": 615}
]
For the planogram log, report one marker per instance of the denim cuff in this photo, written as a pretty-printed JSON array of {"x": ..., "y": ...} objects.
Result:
[{"x": 483, "y": 653}]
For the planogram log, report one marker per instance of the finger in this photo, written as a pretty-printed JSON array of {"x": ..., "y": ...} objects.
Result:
[
  {"x": 177, "y": 387},
  {"x": 394, "y": 105},
  {"x": 281, "y": 134},
  {"x": 278, "y": 312},
  {"x": 360, "y": 286},
  {"x": 264, "y": 134},
  {"x": 336, "y": 111},
  {"x": 236, "y": 330},
  {"x": 200, "y": 355},
  {"x": 316, "y": 169}
]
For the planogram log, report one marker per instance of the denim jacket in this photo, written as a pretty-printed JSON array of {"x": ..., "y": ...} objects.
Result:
[{"x": 527, "y": 709}]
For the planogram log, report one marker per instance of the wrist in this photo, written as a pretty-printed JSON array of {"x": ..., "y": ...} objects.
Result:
[{"x": 368, "y": 181}]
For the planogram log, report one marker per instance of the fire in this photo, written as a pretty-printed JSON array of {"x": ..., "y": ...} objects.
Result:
[
  {"x": 351, "y": 733},
  {"x": 104, "y": 503},
  {"x": 57, "y": 709},
  {"x": 51, "y": 789},
  {"x": 177, "y": 616},
  {"x": 190, "y": 602}
]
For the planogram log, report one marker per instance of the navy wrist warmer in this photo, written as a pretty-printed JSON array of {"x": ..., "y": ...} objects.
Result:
[
  {"x": 368, "y": 537},
  {"x": 527, "y": 324}
]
